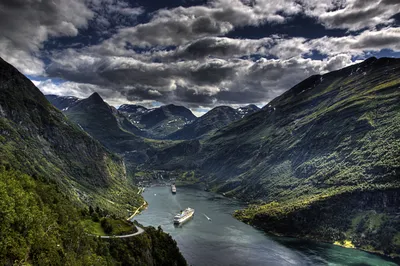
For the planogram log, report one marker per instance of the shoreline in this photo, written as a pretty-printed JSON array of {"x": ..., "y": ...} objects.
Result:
[
  {"x": 280, "y": 237},
  {"x": 394, "y": 259},
  {"x": 137, "y": 210}
]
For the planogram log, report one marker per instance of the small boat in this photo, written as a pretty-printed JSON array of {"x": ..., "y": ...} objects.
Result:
[
  {"x": 183, "y": 216},
  {"x": 173, "y": 189},
  {"x": 208, "y": 218}
]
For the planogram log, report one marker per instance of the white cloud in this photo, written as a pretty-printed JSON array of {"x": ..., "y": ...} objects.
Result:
[
  {"x": 66, "y": 88},
  {"x": 368, "y": 40},
  {"x": 360, "y": 14},
  {"x": 180, "y": 25}
]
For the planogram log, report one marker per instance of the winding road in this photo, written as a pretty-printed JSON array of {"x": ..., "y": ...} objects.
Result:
[{"x": 139, "y": 232}]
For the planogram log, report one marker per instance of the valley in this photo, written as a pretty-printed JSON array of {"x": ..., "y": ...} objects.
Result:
[{"x": 320, "y": 162}]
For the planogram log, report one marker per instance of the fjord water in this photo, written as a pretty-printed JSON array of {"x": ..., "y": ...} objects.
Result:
[{"x": 227, "y": 241}]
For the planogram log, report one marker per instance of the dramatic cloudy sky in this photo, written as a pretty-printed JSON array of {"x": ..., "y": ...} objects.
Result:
[{"x": 190, "y": 52}]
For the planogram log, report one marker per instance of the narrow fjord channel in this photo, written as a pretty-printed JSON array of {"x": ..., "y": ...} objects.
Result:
[{"x": 223, "y": 240}]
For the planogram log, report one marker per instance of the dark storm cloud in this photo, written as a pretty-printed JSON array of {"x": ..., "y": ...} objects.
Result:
[
  {"x": 207, "y": 46},
  {"x": 192, "y": 97},
  {"x": 149, "y": 77},
  {"x": 206, "y": 25},
  {"x": 211, "y": 73},
  {"x": 369, "y": 40},
  {"x": 180, "y": 25},
  {"x": 389, "y": 2},
  {"x": 171, "y": 31},
  {"x": 220, "y": 47},
  {"x": 27, "y": 23},
  {"x": 143, "y": 93},
  {"x": 217, "y": 79},
  {"x": 240, "y": 97},
  {"x": 126, "y": 72}
]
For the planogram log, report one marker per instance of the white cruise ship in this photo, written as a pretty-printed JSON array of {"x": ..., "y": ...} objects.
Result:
[
  {"x": 173, "y": 189},
  {"x": 183, "y": 216}
]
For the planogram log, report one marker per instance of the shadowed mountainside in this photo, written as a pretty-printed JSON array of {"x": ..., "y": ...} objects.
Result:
[{"x": 51, "y": 171}]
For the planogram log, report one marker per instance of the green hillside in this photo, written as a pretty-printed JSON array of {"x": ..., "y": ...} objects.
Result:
[
  {"x": 322, "y": 160},
  {"x": 331, "y": 137},
  {"x": 336, "y": 131}
]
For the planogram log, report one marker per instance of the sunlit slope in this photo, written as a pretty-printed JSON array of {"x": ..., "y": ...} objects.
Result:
[{"x": 339, "y": 131}]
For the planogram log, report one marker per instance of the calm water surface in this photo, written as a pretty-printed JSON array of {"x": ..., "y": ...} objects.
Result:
[{"x": 227, "y": 241}]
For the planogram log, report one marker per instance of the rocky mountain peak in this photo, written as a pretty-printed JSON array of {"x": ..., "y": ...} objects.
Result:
[{"x": 95, "y": 97}]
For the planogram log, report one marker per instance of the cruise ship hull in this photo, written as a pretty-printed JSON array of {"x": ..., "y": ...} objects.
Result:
[
  {"x": 184, "y": 220},
  {"x": 184, "y": 216}
]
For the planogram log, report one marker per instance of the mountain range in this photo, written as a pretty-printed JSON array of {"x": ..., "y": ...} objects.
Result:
[
  {"x": 211, "y": 121},
  {"x": 320, "y": 162},
  {"x": 158, "y": 122},
  {"x": 164, "y": 122}
]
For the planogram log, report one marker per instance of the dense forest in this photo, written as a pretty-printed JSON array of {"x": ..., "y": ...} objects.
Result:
[{"x": 40, "y": 226}]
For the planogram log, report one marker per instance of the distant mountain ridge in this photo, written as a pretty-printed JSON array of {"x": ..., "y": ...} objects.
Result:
[
  {"x": 158, "y": 122},
  {"x": 164, "y": 122},
  {"x": 132, "y": 108},
  {"x": 62, "y": 102},
  {"x": 214, "y": 119}
]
